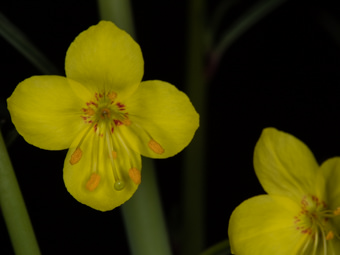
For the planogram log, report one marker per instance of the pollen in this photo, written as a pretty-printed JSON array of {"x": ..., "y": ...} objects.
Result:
[
  {"x": 135, "y": 175},
  {"x": 156, "y": 147},
  {"x": 93, "y": 182},
  {"x": 76, "y": 156}
]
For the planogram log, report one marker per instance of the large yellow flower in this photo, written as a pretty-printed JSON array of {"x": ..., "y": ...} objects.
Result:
[
  {"x": 300, "y": 214},
  {"x": 105, "y": 115}
]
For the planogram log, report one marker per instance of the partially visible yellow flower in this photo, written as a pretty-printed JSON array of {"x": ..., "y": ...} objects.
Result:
[
  {"x": 105, "y": 115},
  {"x": 300, "y": 214}
]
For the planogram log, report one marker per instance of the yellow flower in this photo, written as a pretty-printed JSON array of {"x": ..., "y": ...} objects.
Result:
[
  {"x": 300, "y": 214},
  {"x": 105, "y": 115}
]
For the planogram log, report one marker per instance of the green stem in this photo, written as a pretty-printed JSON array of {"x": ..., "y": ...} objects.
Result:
[
  {"x": 13, "y": 208},
  {"x": 144, "y": 219},
  {"x": 143, "y": 215},
  {"x": 246, "y": 21},
  {"x": 19, "y": 41},
  {"x": 118, "y": 11},
  {"x": 193, "y": 188}
]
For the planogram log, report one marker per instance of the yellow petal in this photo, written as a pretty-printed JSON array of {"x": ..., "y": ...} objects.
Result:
[
  {"x": 105, "y": 58},
  {"x": 328, "y": 186},
  {"x": 284, "y": 165},
  {"x": 264, "y": 225},
  {"x": 333, "y": 247},
  {"x": 46, "y": 112},
  {"x": 88, "y": 172},
  {"x": 163, "y": 120}
]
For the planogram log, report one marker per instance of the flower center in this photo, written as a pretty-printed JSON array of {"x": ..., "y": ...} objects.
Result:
[
  {"x": 315, "y": 220},
  {"x": 105, "y": 115}
]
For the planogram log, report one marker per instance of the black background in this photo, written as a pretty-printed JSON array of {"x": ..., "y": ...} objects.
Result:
[{"x": 283, "y": 72}]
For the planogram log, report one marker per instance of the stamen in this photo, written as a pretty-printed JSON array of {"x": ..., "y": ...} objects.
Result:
[
  {"x": 306, "y": 246},
  {"x": 156, "y": 147},
  {"x": 324, "y": 240},
  {"x": 76, "y": 156},
  {"x": 95, "y": 157},
  {"x": 119, "y": 184},
  {"x": 152, "y": 144},
  {"x": 135, "y": 175},
  {"x": 93, "y": 182},
  {"x": 316, "y": 242}
]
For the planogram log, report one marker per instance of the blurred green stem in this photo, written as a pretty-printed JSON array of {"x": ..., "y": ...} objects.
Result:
[
  {"x": 143, "y": 215},
  {"x": 249, "y": 18},
  {"x": 119, "y": 12},
  {"x": 19, "y": 41},
  {"x": 13, "y": 208},
  {"x": 193, "y": 184}
]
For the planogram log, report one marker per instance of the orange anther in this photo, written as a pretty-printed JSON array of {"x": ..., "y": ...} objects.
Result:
[
  {"x": 135, "y": 175},
  {"x": 93, "y": 182},
  {"x": 76, "y": 156},
  {"x": 114, "y": 154},
  {"x": 156, "y": 147}
]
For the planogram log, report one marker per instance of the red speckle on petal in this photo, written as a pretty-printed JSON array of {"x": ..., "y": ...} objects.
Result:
[
  {"x": 118, "y": 122},
  {"x": 120, "y": 106}
]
